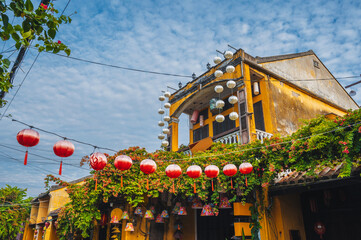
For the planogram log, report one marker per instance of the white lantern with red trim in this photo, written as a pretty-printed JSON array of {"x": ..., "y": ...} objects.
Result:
[
  {"x": 194, "y": 172},
  {"x": 148, "y": 166},
  {"x": 173, "y": 171},
  {"x": 211, "y": 171},
  {"x": 122, "y": 163}
]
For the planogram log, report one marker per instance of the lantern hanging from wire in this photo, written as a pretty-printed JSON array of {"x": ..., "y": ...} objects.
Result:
[
  {"x": 230, "y": 69},
  {"x": 230, "y": 170},
  {"x": 233, "y": 116},
  {"x": 194, "y": 172},
  {"x": 217, "y": 60},
  {"x": 97, "y": 162},
  {"x": 173, "y": 171},
  {"x": 228, "y": 54},
  {"x": 211, "y": 171},
  {"x": 63, "y": 148},
  {"x": 28, "y": 138},
  {"x": 161, "y": 98},
  {"x": 148, "y": 166},
  {"x": 218, "y": 73},
  {"x": 123, "y": 163},
  {"x": 246, "y": 168}
]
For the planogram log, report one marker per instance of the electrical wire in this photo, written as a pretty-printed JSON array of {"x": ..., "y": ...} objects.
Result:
[{"x": 66, "y": 6}]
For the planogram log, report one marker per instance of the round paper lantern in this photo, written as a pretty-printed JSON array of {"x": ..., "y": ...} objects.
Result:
[
  {"x": 98, "y": 161},
  {"x": 218, "y": 73},
  {"x": 148, "y": 166},
  {"x": 230, "y": 170},
  {"x": 161, "y": 98},
  {"x": 228, "y": 54},
  {"x": 167, "y": 105},
  {"x": 173, "y": 171},
  {"x": 219, "y": 118},
  {"x": 217, "y": 60},
  {"x": 218, "y": 89},
  {"x": 165, "y": 131},
  {"x": 167, "y": 94},
  {"x": 160, "y": 124},
  {"x": 232, "y": 99},
  {"x": 220, "y": 104},
  {"x": 122, "y": 162},
  {"x": 63, "y": 148},
  {"x": 246, "y": 168},
  {"x": 161, "y": 136},
  {"x": 230, "y": 69},
  {"x": 28, "y": 138},
  {"x": 194, "y": 171},
  {"x": 231, "y": 84},
  {"x": 165, "y": 143},
  {"x": 233, "y": 116},
  {"x": 161, "y": 111},
  {"x": 166, "y": 118},
  {"x": 211, "y": 171}
]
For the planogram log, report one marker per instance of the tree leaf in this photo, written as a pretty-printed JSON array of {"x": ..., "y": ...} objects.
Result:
[
  {"x": 52, "y": 33},
  {"x": 29, "y": 5},
  {"x": 67, "y": 51},
  {"x": 6, "y": 62},
  {"x": 5, "y": 19},
  {"x": 26, "y": 25},
  {"x": 15, "y": 37},
  {"x": 26, "y": 34}
]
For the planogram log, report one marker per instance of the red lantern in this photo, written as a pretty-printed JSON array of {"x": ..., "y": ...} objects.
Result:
[
  {"x": 28, "y": 138},
  {"x": 230, "y": 170},
  {"x": 319, "y": 228},
  {"x": 122, "y": 163},
  {"x": 194, "y": 171},
  {"x": 148, "y": 166},
  {"x": 211, "y": 171},
  {"x": 173, "y": 171},
  {"x": 246, "y": 168},
  {"x": 63, "y": 148},
  {"x": 97, "y": 162}
]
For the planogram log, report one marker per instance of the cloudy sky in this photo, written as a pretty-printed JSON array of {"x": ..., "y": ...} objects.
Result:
[{"x": 115, "y": 108}]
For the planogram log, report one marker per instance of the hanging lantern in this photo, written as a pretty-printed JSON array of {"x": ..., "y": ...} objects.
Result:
[
  {"x": 218, "y": 89},
  {"x": 63, "y": 148},
  {"x": 97, "y": 162},
  {"x": 165, "y": 143},
  {"x": 167, "y": 94},
  {"x": 161, "y": 98},
  {"x": 122, "y": 163},
  {"x": 166, "y": 118},
  {"x": 197, "y": 203},
  {"x": 173, "y": 171},
  {"x": 224, "y": 203},
  {"x": 320, "y": 229},
  {"x": 148, "y": 166},
  {"x": 201, "y": 120},
  {"x": 246, "y": 168},
  {"x": 114, "y": 219},
  {"x": 129, "y": 227},
  {"x": 165, "y": 214},
  {"x": 232, "y": 99},
  {"x": 217, "y": 60},
  {"x": 161, "y": 136},
  {"x": 176, "y": 208},
  {"x": 207, "y": 211},
  {"x": 149, "y": 215},
  {"x": 220, "y": 104},
  {"x": 218, "y": 73},
  {"x": 161, "y": 111},
  {"x": 231, "y": 84},
  {"x": 167, "y": 105},
  {"x": 125, "y": 215},
  {"x": 160, "y": 124},
  {"x": 230, "y": 69},
  {"x": 194, "y": 171},
  {"x": 152, "y": 208},
  {"x": 159, "y": 219},
  {"x": 47, "y": 224},
  {"x": 230, "y": 170},
  {"x": 194, "y": 117},
  {"x": 228, "y": 54},
  {"x": 165, "y": 131},
  {"x": 28, "y": 138},
  {"x": 255, "y": 88},
  {"x": 138, "y": 211},
  {"x": 219, "y": 118},
  {"x": 182, "y": 211},
  {"x": 211, "y": 171},
  {"x": 233, "y": 116}
]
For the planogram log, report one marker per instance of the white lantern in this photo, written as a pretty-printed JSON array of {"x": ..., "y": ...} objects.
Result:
[
  {"x": 161, "y": 136},
  {"x": 219, "y": 104},
  {"x": 220, "y": 118},
  {"x": 165, "y": 130},
  {"x": 231, "y": 84},
  {"x": 230, "y": 69},
  {"x": 218, "y": 73},
  {"x": 161, "y": 111},
  {"x": 255, "y": 88},
  {"x": 217, "y": 60},
  {"x": 165, "y": 143},
  {"x": 166, "y": 118},
  {"x": 160, "y": 124},
  {"x": 218, "y": 89},
  {"x": 228, "y": 54},
  {"x": 232, "y": 99},
  {"x": 233, "y": 115},
  {"x": 167, "y": 94},
  {"x": 167, "y": 105},
  {"x": 161, "y": 98}
]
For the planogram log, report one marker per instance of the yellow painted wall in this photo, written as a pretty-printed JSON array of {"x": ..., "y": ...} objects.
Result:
[
  {"x": 43, "y": 210},
  {"x": 34, "y": 213}
]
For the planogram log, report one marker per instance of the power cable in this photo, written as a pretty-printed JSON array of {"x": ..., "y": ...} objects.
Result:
[{"x": 66, "y": 6}]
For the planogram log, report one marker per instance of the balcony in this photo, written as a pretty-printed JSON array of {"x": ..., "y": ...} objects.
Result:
[{"x": 262, "y": 135}]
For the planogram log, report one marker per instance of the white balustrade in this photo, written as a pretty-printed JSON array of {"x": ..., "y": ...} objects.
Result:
[
  {"x": 262, "y": 135},
  {"x": 229, "y": 138}
]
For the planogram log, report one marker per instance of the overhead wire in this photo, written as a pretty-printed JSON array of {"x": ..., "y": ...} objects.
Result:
[{"x": 66, "y": 6}]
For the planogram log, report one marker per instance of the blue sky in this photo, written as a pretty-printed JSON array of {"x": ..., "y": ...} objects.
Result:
[{"x": 116, "y": 108}]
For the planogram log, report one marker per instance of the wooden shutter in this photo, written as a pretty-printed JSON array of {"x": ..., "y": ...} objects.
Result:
[{"x": 243, "y": 117}]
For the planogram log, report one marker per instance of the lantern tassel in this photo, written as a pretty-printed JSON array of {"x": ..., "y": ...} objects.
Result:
[
  {"x": 26, "y": 158},
  {"x": 173, "y": 187},
  {"x": 194, "y": 187},
  {"x": 246, "y": 182},
  {"x": 61, "y": 167},
  {"x": 121, "y": 181},
  {"x": 96, "y": 182},
  {"x": 231, "y": 184},
  {"x": 147, "y": 184},
  {"x": 212, "y": 186}
]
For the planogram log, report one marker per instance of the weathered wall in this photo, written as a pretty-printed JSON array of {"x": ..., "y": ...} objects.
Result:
[{"x": 303, "y": 68}]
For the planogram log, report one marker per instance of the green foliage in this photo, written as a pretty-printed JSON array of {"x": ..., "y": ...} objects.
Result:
[
  {"x": 14, "y": 210},
  {"x": 37, "y": 24},
  {"x": 321, "y": 142}
]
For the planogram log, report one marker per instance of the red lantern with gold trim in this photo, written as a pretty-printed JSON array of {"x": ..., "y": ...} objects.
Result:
[
  {"x": 28, "y": 138},
  {"x": 148, "y": 166},
  {"x": 63, "y": 148},
  {"x": 123, "y": 163}
]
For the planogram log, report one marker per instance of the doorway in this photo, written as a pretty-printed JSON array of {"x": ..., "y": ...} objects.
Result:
[{"x": 217, "y": 227}]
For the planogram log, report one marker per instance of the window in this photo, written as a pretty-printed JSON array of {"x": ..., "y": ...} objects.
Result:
[
  {"x": 258, "y": 116},
  {"x": 224, "y": 126},
  {"x": 227, "y": 106},
  {"x": 315, "y": 64},
  {"x": 200, "y": 133},
  {"x": 204, "y": 113}
]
